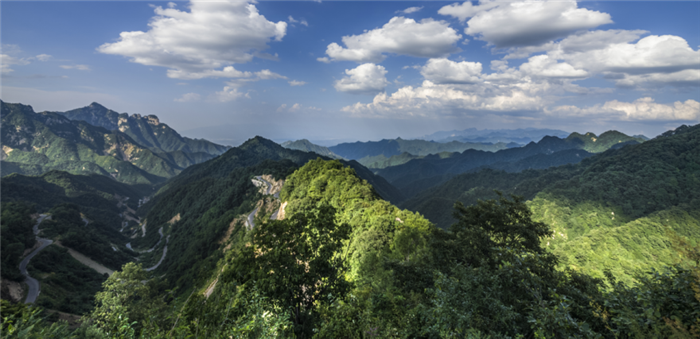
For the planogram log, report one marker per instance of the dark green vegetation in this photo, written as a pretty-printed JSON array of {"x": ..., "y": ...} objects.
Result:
[
  {"x": 17, "y": 236},
  {"x": 147, "y": 153},
  {"x": 210, "y": 196},
  {"x": 66, "y": 284},
  {"x": 307, "y": 146},
  {"x": 612, "y": 211},
  {"x": 95, "y": 240},
  {"x": 95, "y": 194},
  {"x": 389, "y": 147},
  {"x": 392, "y": 274},
  {"x": 420, "y": 174}
]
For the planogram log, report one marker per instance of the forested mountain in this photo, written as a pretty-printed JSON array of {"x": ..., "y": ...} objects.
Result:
[
  {"x": 611, "y": 211},
  {"x": 520, "y": 135},
  {"x": 146, "y": 130},
  {"x": 389, "y": 147},
  {"x": 34, "y": 143},
  {"x": 308, "y": 146},
  {"x": 422, "y": 173}
]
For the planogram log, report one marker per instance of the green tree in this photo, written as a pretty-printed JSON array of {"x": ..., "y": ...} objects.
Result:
[
  {"x": 126, "y": 302},
  {"x": 296, "y": 263}
]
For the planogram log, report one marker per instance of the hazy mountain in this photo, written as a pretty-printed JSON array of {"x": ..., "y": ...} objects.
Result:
[
  {"x": 146, "y": 130},
  {"x": 521, "y": 135},
  {"x": 390, "y": 147},
  {"x": 307, "y": 146},
  {"x": 34, "y": 143}
]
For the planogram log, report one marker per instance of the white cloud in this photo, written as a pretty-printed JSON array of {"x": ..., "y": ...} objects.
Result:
[
  {"x": 427, "y": 38},
  {"x": 6, "y": 61},
  {"x": 78, "y": 67},
  {"x": 466, "y": 9},
  {"x": 324, "y": 60},
  {"x": 226, "y": 72},
  {"x": 43, "y": 57},
  {"x": 296, "y": 108},
  {"x": 282, "y": 108},
  {"x": 528, "y": 23},
  {"x": 444, "y": 71},
  {"x": 639, "y": 110},
  {"x": 544, "y": 66},
  {"x": 229, "y": 93},
  {"x": 302, "y": 22},
  {"x": 364, "y": 79},
  {"x": 297, "y": 83},
  {"x": 212, "y": 35},
  {"x": 410, "y": 10},
  {"x": 188, "y": 97},
  {"x": 434, "y": 100}
]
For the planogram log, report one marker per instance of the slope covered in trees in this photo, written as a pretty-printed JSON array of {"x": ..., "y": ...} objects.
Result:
[
  {"x": 34, "y": 143},
  {"x": 344, "y": 263},
  {"x": 307, "y": 146},
  {"x": 612, "y": 211}
]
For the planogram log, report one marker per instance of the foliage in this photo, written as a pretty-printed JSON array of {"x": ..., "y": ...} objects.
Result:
[
  {"x": 126, "y": 303},
  {"x": 296, "y": 263},
  {"x": 66, "y": 284},
  {"x": 20, "y": 321},
  {"x": 391, "y": 147},
  {"x": 17, "y": 236}
]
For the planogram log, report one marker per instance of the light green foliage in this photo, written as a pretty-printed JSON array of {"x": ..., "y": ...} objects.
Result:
[
  {"x": 126, "y": 303},
  {"x": 296, "y": 263},
  {"x": 22, "y": 322},
  {"x": 596, "y": 144}
]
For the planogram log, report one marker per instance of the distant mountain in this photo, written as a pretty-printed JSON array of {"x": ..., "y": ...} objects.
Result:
[
  {"x": 390, "y": 147},
  {"x": 520, "y": 136},
  {"x": 307, "y": 146},
  {"x": 35, "y": 143},
  {"x": 146, "y": 130},
  {"x": 612, "y": 211},
  {"x": 596, "y": 144},
  {"x": 419, "y": 174}
]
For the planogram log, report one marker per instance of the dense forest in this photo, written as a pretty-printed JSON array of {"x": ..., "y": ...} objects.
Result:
[{"x": 602, "y": 247}]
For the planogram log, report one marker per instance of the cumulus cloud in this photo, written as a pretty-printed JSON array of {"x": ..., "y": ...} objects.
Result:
[
  {"x": 643, "y": 109},
  {"x": 444, "y": 71},
  {"x": 364, "y": 79},
  {"x": 410, "y": 10},
  {"x": 427, "y": 38},
  {"x": 527, "y": 23},
  {"x": 78, "y": 67},
  {"x": 295, "y": 108},
  {"x": 467, "y": 9},
  {"x": 543, "y": 65},
  {"x": 188, "y": 97},
  {"x": 435, "y": 100},
  {"x": 297, "y": 83},
  {"x": 211, "y": 36}
]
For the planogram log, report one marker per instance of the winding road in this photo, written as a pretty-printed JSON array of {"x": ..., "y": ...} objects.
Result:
[{"x": 33, "y": 284}]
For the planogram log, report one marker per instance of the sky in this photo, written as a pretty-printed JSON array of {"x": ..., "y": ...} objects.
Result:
[{"x": 335, "y": 71}]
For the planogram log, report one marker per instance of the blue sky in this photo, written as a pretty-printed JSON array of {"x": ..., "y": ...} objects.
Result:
[{"x": 338, "y": 70}]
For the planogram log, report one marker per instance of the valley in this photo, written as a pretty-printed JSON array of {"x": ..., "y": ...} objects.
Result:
[{"x": 400, "y": 237}]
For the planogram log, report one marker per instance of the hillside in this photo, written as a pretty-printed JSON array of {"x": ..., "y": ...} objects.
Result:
[
  {"x": 390, "y": 147},
  {"x": 616, "y": 205},
  {"x": 422, "y": 173},
  {"x": 210, "y": 196},
  {"x": 35, "y": 143},
  {"x": 307, "y": 146}
]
